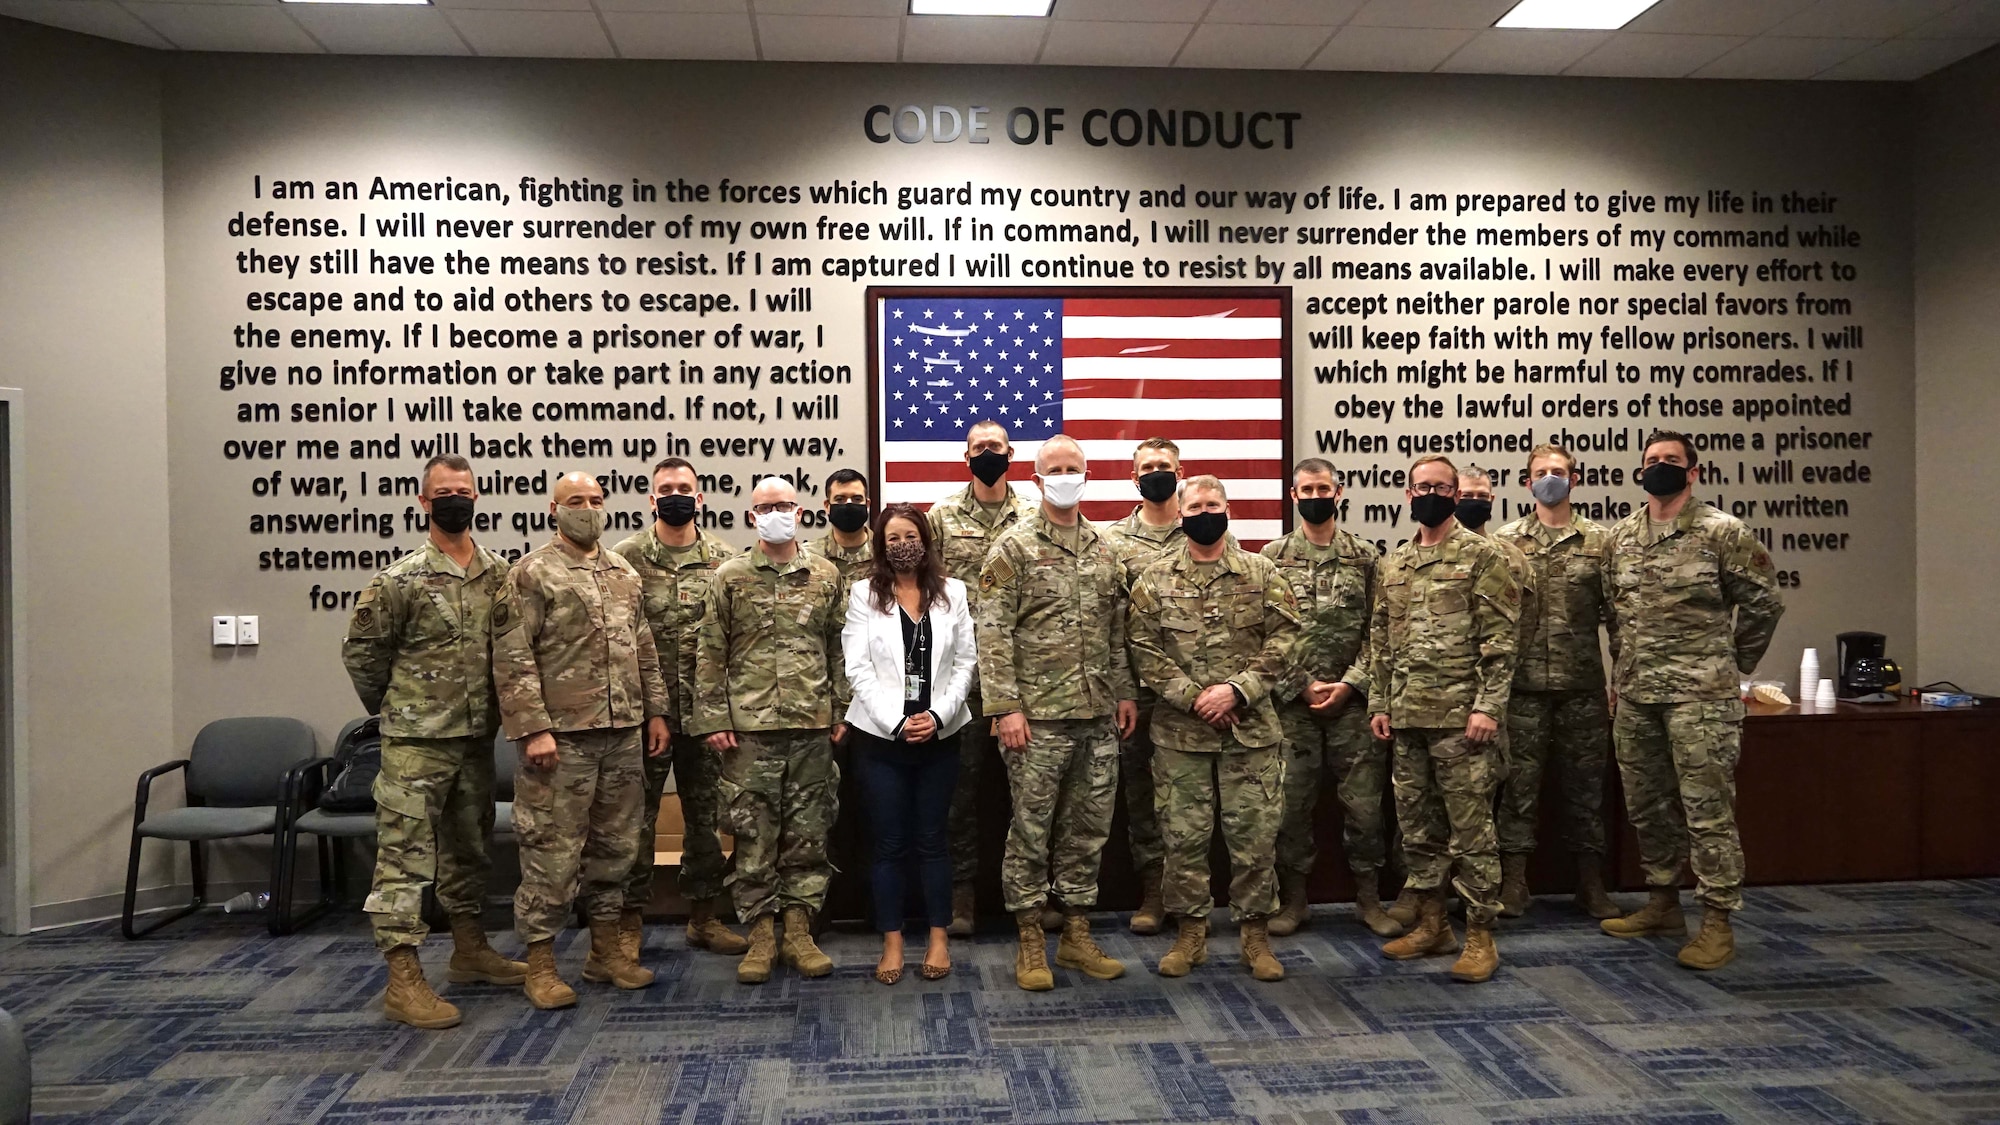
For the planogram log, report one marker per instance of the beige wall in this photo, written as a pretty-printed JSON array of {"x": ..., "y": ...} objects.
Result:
[
  {"x": 1958, "y": 371},
  {"x": 81, "y": 286}
]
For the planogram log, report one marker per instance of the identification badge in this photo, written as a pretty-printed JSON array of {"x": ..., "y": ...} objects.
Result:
[{"x": 913, "y": 687}]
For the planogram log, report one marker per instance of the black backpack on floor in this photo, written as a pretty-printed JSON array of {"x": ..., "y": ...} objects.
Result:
[{"x": 357, "y": 759}]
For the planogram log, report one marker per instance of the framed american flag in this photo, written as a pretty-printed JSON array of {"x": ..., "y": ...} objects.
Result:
[{"x": 1109, "y": 366}]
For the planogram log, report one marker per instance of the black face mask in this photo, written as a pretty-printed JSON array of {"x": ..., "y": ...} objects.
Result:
[
  {"x": 1432, "y": 509},
  {"x": 1316, "y": 509},
  {"x": 451, "y": 514},
  {"x": 1158, "y": 486},
  {"x": 1474, "y": 513},
  {"x": 848, "y": 517},
  {"x": 674, "y": 509},
  {"x": 1663, "y": 479},
  {"x": 989, "y": 467},
  {"x": 1205, "y": 527}
]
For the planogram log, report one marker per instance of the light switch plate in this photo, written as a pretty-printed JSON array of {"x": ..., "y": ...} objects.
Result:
[
  {"x": 246, "y": 630},
  {"x": 225, "y": 630}
]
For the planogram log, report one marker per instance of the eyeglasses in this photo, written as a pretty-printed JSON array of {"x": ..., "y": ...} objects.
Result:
[
  {"x": 781, "y": 506},
  {"x": 1430, "y": 489}
]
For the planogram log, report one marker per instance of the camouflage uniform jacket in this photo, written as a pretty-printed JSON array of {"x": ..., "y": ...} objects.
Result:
[
  {"x": 767, "y": 655},
  {"x": 419, "y": 646},
  {"x": 1561, "y": 652},
  {"x": 961, "y": 534},
  {"x": 571, "y": 648},
  {"x": 1672, "y": 603},
  {"x": 1138, "y": 544},
  {"x": 1195, "y": 625},
  {"x": 1531, "y": 596},
  {"x": 852, "y": 562},
  {"x": 1051, "y": 624},
  {"x": 1335, "y": 586},
  {"x": 1445, "y": 628},
  {"x": 676, "y": 598}
]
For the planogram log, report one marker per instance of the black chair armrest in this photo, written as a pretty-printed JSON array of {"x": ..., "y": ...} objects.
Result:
[
  {"x": 300, "y": 786},
  {"x": 146, "y": 787}
]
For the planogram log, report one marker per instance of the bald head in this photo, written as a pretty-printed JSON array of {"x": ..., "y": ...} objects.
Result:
[
  {"x": 773, "y": 490},
  {"x": 578, "y": 490},
  {"x": 1060, "y": 454}
]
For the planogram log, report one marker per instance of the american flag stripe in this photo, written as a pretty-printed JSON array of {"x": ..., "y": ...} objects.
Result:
[
  {"x": 1092, "y": 347},
  {"x": 1173, "y": 327},
  {"x": 1204, "y": 390}
]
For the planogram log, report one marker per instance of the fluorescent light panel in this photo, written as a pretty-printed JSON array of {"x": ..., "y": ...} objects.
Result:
[
  {"x": 376, "y": 2},
  {"x": 981, "y": 7},
  {"x": 1578, "y": 15}
]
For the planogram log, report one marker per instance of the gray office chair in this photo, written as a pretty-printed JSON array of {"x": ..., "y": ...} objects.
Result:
[
  {"x": 299, "y": 812},
  {"x": 235, "y": 780},
  {"x": 16, "y": 1077}
]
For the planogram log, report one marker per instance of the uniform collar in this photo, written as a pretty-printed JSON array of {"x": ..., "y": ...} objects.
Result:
[
  {"x": 1231, "y": 561},
  {"x": 1086, "y": 532},
  {"x": 441, "y": 563},
  {"x": 577, "y": 560},
  {"x": 763, "y": 561}
]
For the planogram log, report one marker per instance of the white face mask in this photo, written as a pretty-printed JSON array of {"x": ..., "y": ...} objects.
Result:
[
  {"x": 1065, "y": 490},
  {"x": 777, "y": 527}
]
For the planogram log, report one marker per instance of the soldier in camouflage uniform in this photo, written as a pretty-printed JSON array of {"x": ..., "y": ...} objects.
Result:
[
  {"x": 1054, "y": 673},
  {"x": 1557, "y": 712},
  {"x": 1441, "y": 648},
  {"x": 419, "y": 650},
  {"x": 768, "y": 670},
  {"x": 847, "y": 545},
  {"x": 675, "y": 562},
  {"x": 963, "y": 526},
  {"x": 1215, "y": 631},
  {"x": 1152, "y": 530},
  {"x": 1332, "y": 574},
  {"x": 1694, "y": 601},
  {"x": 577, "y": 676}
]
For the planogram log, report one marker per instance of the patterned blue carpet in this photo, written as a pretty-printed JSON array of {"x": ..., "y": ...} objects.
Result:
[{"x": 1862, "y": 1003}]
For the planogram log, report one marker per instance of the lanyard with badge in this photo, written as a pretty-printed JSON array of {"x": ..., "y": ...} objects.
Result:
[{"x": 916, "y": 658}]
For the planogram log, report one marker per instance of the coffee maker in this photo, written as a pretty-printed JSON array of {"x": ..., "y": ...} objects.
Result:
[{"x": 1866, "y": 675}]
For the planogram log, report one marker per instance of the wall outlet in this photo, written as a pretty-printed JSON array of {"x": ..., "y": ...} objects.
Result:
[
  {"x": 225, "y": 630},
  {"x": 246, "y": 630}
]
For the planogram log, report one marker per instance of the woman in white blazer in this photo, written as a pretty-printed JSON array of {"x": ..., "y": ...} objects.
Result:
[{"x": 910, "y": 663}]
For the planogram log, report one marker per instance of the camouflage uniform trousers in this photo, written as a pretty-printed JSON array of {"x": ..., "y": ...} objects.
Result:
[
  {"x": 1135, "y": 772},
  {"x": 1571, "y": 729},
  {"x": 1249, "y": 785},
  {"x": 1360, "y": 766},
  {"x": 1678, "y": 763},
  {"x": 702, "y": 863},
  {"x": 1444, "y": 801},
  {"x": 579, "y": 828},
  {"x": 780, "y": 794},
  {"x": 976, "y": 747},
  {"x": 433, "y": 823},
  {"x": 1064, "y": 785}
]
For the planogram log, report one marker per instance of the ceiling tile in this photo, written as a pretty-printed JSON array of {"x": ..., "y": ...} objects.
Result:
[
  {"x": 1861, "y": 19},
  {"x": 681, "y": 35},
  {"x": 1901, "y": 60},
  {"x": 225, "y": 27},
  {"x": 972, "y": 39},
  {"x": 1519, "y": 51},
  {"x": 1252, "y": 47},
  {"x": 1777, "y": 59},
  {"x": 552, "y": 35},
  {"x": 716, "y": 6},
  {"x": 1080, "y": 43},
  {"x": 827, "y": 38},
  {"x": 1715, "y": 17},
  {"x": 896, "y": 8},
  {"x": 1131, "y": 11},
  {"x": 1473, "y": 14},
  {"x": 1309, "y": 13},
  {"x": 1978, "y": 19},
  {"x": 1632, "y": 54},
  {"x": 517, "y": 5},
  {"x": 101, "y": 18},
  {"x": 1390, "y": 48},
  {"x": 355, "y": 29}
]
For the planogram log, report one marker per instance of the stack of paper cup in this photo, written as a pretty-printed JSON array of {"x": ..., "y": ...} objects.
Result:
[
  {"x": 1808, "y": 674},
  {"x": 1825, "y": 697}
]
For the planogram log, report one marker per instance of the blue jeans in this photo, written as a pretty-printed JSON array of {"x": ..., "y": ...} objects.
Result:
[{"x": 906, "y": 790}]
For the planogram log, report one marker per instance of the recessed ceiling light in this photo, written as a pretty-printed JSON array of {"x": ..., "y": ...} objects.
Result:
[
  {"x": 416, "y": 2},
  {"x": 981, "y": 7},
  {"x": 1581, "y": 15}
]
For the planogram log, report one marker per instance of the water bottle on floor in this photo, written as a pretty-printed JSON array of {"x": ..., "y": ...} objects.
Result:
[{"x": 247, "y": 902}]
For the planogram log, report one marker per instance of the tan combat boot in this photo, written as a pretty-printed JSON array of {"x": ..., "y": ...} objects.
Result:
[
  {"x": 1294, "y": 912},
  {"x": 1368, "y": 907},
  {"x": 755, "y": 968},
  {"x": 1433, "y": 933},
  {"x": 963, "y": 913},
  {"x": 1481, "y": 956},
  {"x": 631, "y": 939},
  {"x": 1152, "y": 910},
  {"x": 1714, "y": 946},
  {"x": 544, "y": 987},
  {"x": 1190, "y": 948},
  {"x": 1031, "y": 961},
  {"x": 798, "y": 949},
  {"x": 1077, "y": 951},
  {"x": 706, "y": 931},
  {"x": 1403, "y": 911},
  {"x": 608, "y": 963},
  {"x": 1514, "y": 897},
  {"x": 473, "y": 961},
  {"x": 1257, "y": 952},
  {"x": 1660, "y": 915},
  {"x": 409, "y": 998},
  {"x": 1590, "y": 897}
]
